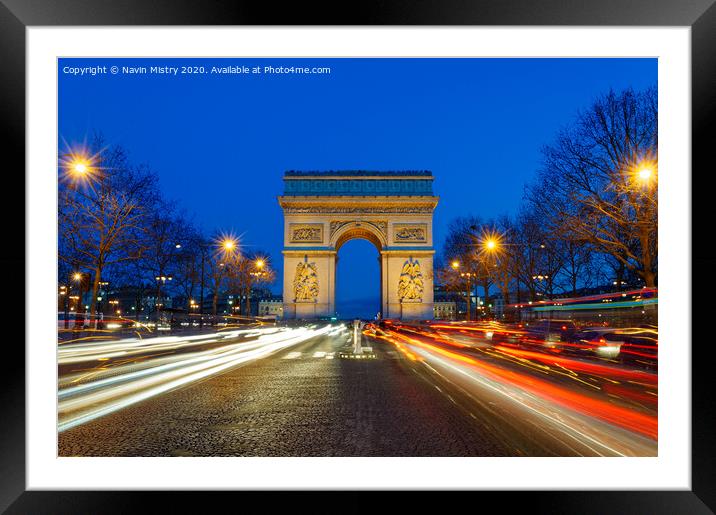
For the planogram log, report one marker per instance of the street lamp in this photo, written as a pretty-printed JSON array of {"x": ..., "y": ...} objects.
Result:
[
  {"x": 161, "y": 280},
  {"x": 78, "y": 278},
  {"x": 467, "y": 275},
  {"x": 491, "y": 240},
  {"x": 645, "y": 173},
  {"x": 64, "y": 293},
  {"x": 258, "y": 273},
  {"x": 79, "y": 166},
  {"x": 490, "y": 246},
  {"x": 229, "y": 245},
  {"x": 645, "y": 170},
  {"x": 115, "y": 305}
]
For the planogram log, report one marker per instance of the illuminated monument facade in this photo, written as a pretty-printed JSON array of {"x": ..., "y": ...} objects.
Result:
[{"x": 392, "y": 210}]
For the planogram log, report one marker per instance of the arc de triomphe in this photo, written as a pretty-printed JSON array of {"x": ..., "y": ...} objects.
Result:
[{"x": 392, "y": 210}]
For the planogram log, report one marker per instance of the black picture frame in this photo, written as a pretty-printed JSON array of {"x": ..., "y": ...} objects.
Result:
[{"x": 699, "y": 15}]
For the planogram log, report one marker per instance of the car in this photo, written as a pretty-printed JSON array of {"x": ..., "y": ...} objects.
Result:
[
  {"x": 118, "y": 323},
  {"x": 602, "y": 342},
  {"x": 629, "y": 345},
  {"x": 501, "y": 333},
  {"x": 550, "y": 332},
  {"x": 641, "y": 347}
]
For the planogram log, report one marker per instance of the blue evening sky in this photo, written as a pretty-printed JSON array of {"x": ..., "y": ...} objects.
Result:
[{"x": 220, "y": 143}]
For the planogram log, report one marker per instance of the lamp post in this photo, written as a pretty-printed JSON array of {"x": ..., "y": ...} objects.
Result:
[
  {"x": 65, "y": 293},
  {"x": 645, "y": 206},
  {"x": 467, "y": 275},
  {"x": 201, "y": 287},
  {"x": 103, "y": 290},
  {"x": 78, "y": 277},
  {"x": 82, "y": 168},
  {"x": 228, "y": 245},
  {"x": 491, "y": 245},
  {"x": 161, "y": 280},
  {"x": 258, "y": 273}
]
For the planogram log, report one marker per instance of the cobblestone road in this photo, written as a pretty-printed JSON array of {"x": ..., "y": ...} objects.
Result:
[{"x": 304, "y": 401}]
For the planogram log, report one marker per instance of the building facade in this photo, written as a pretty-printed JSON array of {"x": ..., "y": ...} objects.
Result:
[
  {"x": 445, "y": 310},
  {"x": 271, "y": 308}
]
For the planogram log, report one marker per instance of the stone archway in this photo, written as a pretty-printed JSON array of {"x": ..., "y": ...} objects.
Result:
[
  {"x": 363, "y": 272},
  {"x": 393, "y": 210}
]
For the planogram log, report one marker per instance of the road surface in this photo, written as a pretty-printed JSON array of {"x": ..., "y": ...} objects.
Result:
[{"x": 304, "y": 392}]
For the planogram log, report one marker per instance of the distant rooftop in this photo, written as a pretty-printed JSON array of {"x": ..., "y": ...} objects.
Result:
[{"x": 358, "y": 173}]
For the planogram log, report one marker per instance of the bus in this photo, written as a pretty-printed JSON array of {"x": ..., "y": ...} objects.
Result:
[{"x": 620, "y": 309}]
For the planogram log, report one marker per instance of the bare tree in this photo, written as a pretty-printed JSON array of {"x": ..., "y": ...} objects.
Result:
[
  {"x": 188, "y": 263},
  {"x": 528, "y": 245},
  {"x": 170, "y": 250},
  {"x": 579, "y": 266},
  {"x": 244, "y": 274},
  {"x": 503, "y": 259},
  {"x": 598, "y": 180},
  {"x": 470, "y": 263},
  {"x": 103, "y": 202},
  {"x": 461, "y": 253}
]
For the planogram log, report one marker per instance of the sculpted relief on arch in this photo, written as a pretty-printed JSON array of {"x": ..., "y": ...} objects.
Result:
[
  {"x": 410, "y": 286},
  {"x": 305, "y": 282},
  {"x": 303, "y": 233},
  {"x": 403, "y": 233}
]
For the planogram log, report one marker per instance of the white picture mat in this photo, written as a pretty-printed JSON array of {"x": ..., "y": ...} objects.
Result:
[{"x": 670, "y": 470}]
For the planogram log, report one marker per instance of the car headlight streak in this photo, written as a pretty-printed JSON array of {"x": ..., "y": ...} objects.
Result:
[{"x": 121, "y": 386}]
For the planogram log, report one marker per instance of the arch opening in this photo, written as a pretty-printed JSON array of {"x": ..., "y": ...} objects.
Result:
[{"x": 358, "y": 277}]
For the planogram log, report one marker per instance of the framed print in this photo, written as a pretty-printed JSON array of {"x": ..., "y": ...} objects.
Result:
[{"x": 419, "y": 249}]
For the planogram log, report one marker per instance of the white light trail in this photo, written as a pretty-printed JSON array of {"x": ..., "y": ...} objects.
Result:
[{"x": 118, "y": 387}]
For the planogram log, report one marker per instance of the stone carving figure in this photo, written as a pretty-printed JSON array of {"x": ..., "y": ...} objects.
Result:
[
  {"x": 410, "y": 287},
  {"x": 305, "y": 282}
]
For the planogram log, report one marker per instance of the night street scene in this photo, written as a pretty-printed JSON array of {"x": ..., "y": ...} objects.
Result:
[{"x": 357, "y": 257}]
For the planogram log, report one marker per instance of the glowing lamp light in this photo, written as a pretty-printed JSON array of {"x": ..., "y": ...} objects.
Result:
[
  {"x": 645, "y": 173},
  {"x": 490, "y": 244}
]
